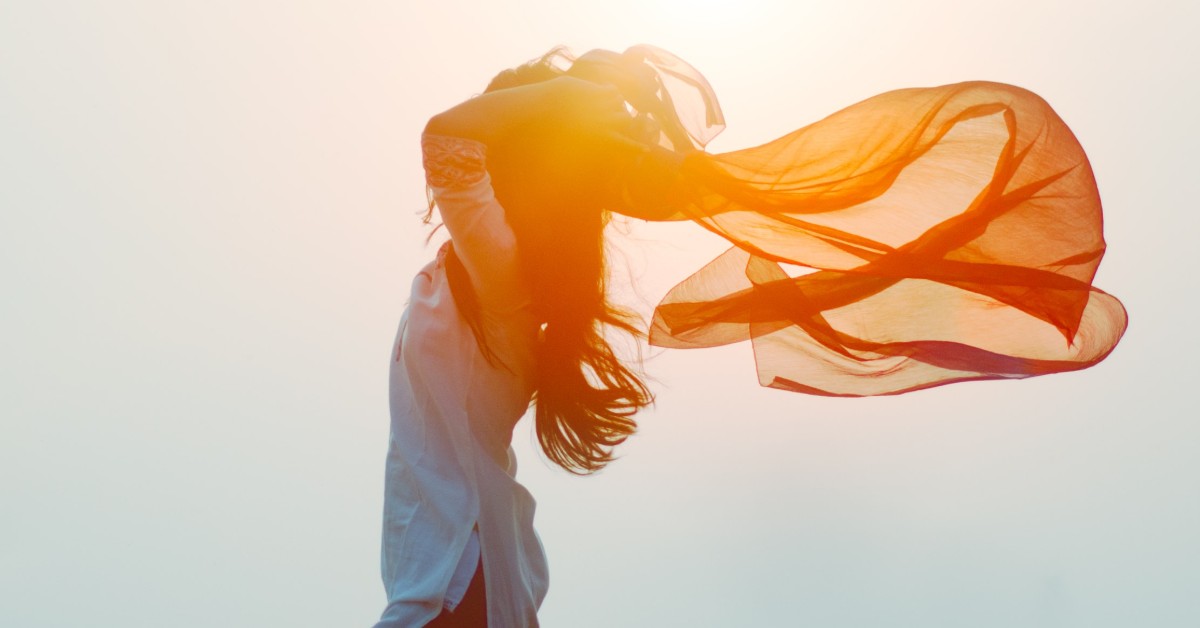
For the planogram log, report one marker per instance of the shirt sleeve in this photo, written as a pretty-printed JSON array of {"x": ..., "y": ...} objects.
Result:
[{"x": 456, "y": 172}]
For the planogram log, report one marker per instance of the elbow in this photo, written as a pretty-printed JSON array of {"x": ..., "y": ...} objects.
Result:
[
  {"x": 438, "y": 125},
  {"x": 451, "y": 123}
]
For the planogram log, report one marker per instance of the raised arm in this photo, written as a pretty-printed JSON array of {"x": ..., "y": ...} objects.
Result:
[
  {"x": 529, "y": 110},
  {"x": 545, "y": 127}
]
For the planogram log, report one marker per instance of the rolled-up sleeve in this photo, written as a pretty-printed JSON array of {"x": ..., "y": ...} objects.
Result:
[{"x": 456, "y": 172}]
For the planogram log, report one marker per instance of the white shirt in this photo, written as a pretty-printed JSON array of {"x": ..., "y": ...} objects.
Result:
[{"x": 450, "y": 467}]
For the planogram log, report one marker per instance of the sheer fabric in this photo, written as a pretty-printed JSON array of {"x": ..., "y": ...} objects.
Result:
[{"x": 920, "y": 237}]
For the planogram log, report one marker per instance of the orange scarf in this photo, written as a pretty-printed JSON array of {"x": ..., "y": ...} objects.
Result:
[{"x": 918, "y": 238}]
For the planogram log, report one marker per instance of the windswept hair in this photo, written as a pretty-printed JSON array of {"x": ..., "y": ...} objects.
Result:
[{"x": 585, "y": 395}]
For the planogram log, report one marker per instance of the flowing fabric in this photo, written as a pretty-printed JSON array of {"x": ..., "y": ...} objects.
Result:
[{"x": 918, "y": 238}]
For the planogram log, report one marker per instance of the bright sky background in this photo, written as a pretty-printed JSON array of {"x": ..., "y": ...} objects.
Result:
[{"x": 208, "y": 226}]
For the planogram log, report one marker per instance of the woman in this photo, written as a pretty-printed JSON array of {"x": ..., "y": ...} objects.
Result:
[
  {"x": 511, "y": 309},
  {"x": 918, "y": 238}
]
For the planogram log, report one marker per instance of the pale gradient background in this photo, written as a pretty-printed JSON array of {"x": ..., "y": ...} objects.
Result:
[{"x": 207, "y": 236}]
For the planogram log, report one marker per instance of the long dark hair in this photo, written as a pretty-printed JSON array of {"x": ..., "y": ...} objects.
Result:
[{"x": 585, "y": 395}]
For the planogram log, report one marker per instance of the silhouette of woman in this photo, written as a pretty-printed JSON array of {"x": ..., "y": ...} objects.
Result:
[
  {"x": 511, "y": 310},
  {"x": 918, "y": 238}
]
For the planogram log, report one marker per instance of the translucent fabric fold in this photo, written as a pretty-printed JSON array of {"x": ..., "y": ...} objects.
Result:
[{"x": 920, "y": 237}]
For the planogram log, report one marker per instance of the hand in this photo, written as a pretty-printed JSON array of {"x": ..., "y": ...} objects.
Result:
[
  {"x": 568, "y": 127},
  {"x": 579, "y": 109},
  {"x": 637, "y": 82}
]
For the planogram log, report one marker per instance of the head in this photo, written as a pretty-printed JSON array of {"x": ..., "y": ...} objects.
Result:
[
  {"x": 675, "y": 112},
  {"x": 559, "y": 162}
]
